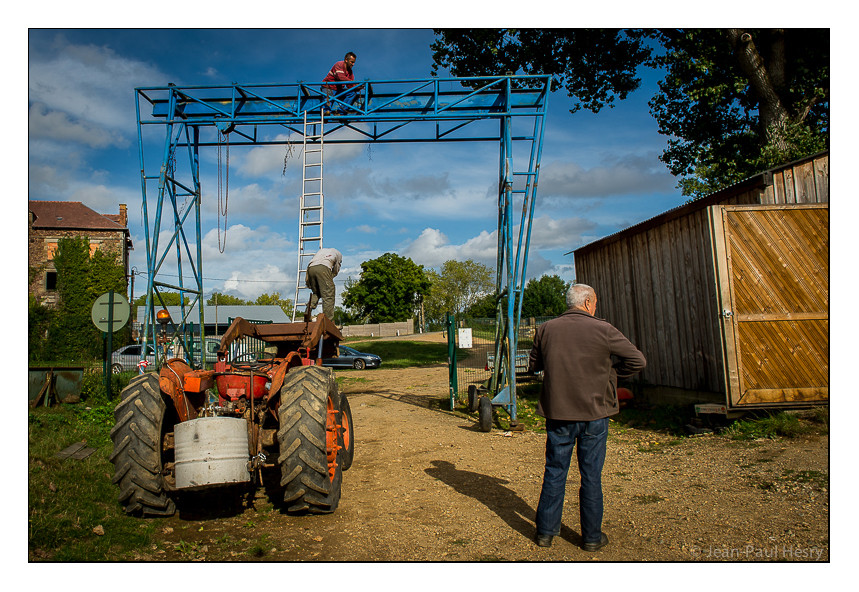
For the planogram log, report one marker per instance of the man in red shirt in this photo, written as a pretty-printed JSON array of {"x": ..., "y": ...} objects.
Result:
[{"x": 341, "y": 71}]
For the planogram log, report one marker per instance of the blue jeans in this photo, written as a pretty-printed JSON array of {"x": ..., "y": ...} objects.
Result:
[
  {"x": 589, "y": 439},
  {"x": 350, "y": 98}
]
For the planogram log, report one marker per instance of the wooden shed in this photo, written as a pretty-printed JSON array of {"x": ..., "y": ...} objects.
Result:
[{"x": 727, "y": 296}]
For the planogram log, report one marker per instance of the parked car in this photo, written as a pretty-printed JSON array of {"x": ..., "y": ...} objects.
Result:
[
  {"x": 210, "y": 351},
  {"x": 352, "y": 358},
  {"x": 126, "y": 358}
]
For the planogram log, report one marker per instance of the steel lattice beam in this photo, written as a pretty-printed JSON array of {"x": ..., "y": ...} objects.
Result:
[{"x": 391, "y": 111}]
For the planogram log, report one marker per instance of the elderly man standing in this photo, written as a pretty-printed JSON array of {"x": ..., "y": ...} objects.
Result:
[
  {"x": 321, "y": 271},
  {"x": 582, "y": 357}
]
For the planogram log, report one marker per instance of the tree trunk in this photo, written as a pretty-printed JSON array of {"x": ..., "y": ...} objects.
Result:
[{"x": 774, "y": 117}]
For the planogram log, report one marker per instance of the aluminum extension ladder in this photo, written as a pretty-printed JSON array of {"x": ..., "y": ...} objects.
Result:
[{"x": 310, "y": 215}]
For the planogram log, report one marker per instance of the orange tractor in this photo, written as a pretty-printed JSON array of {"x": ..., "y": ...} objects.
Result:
[{"x": 279, "y": 417}]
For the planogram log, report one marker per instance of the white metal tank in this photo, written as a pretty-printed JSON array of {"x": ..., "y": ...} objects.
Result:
[{"x": 211, "y": 451}]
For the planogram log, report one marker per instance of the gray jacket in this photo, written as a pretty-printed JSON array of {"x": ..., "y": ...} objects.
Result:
[{"x": 582, "y": 357}]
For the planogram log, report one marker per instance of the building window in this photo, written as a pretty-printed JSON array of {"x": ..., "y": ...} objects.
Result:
[{"x": 50, "y": 280}]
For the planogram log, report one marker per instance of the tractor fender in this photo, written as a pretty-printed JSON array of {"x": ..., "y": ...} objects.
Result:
[
  {"x": 171, "y": 380},
  {"x": 292, "y": 360}
]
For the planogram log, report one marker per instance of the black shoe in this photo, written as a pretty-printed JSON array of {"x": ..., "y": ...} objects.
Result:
[
  {"x": 596, "y": 546},
  {"x": 543, "y": 540}
]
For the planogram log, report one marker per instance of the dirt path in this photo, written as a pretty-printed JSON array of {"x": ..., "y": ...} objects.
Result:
[{"x": 426, "y": 485}]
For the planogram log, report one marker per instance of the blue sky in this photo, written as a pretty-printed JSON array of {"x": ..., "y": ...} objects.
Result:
[{"x": 431, "y": 202}]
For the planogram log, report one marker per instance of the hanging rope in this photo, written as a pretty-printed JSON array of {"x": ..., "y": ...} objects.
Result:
[
  {"x": 223, "y": 187},
  {"x": 290, "y": 152}
]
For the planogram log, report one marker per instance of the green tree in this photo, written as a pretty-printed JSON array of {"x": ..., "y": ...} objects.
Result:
[
  {"x": 544, "y": 297},
  {"x": 735, "y": 102},
  {"x": 732, "y": 102},
  {"x": 485, "y": 307},
  {"x": 274, "y": 299},
  {"x": 457, "y": 287},
  {"x": 169, "y": 298},
  {"x": 225, "y": 300},
  {"x": 389, "y": 290}
]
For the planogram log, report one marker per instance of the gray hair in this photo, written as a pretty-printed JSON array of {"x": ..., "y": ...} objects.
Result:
[{"x": 577, "y": 294}]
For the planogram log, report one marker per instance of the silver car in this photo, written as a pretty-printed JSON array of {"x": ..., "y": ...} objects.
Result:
[{"x": 127, "y": 358}]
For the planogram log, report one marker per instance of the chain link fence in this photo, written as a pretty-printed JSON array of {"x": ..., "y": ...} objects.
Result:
[{"x": 476, "y": 339}]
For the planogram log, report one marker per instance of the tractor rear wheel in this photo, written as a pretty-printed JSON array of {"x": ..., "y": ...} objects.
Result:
[
  {"x": 347, "y": 433},
  {"x": 309, "y": 441},
  {"x": 137, "y": 436}
]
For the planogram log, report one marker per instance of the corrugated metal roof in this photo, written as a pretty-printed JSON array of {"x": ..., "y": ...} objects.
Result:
[{"x": 222, "y": 314}]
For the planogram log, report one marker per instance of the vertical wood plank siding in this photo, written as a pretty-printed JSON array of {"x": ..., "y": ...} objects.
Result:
[{"x": 656, "y": 281}]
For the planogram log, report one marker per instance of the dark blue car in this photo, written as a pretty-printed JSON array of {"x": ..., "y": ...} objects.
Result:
[{"x": 352, "y": 358}]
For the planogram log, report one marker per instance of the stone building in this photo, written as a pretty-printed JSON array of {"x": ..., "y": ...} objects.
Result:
[{"x": 49, "y": 221}]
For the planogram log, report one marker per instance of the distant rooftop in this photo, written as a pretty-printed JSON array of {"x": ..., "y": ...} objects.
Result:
[
  {"x": 222, "y": 314},
  {"x": 71, "y": 215}
]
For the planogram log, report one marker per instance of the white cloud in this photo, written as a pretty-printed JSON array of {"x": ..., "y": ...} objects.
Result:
[
  {"x": 260, "y": 279},
  {"x": 61, "y": 127},
  {"x": 365, "y": 228},
  {"x": 630, "y": 174},
  {"x": 564, "y": 233},
  {"x": 432, "y": 248},
  {"x": 89, "y": 85}
]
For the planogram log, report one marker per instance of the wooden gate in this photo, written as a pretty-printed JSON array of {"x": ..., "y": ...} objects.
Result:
[{"x": 772, "y": 269}]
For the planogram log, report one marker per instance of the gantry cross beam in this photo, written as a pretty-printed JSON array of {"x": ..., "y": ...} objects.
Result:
[{"x": 184, "y": 119}]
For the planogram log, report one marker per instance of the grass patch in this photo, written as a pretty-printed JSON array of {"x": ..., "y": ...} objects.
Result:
[
  {"x": 782, "y": 424},
  {"x": 407, "y": 354},
  {"x": 816, "y": 479},
  {"x": 527, "y": 397},
  {"x": 69, "y": 499},
  {"x": 648, "y": 499}
]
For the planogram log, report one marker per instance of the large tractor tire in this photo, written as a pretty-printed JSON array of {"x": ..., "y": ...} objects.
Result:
[
  {"x": 308, "y": 438},
  {"x": 347, "y": 433},
  {"x": 137, "y": 459}
]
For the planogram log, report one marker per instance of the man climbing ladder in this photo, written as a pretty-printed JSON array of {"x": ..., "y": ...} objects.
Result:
[{"x": 321, "y": 271}]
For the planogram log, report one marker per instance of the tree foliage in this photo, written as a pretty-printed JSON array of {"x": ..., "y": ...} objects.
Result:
[
  {"x": 736, "y": 102},
  {"x": 225, "y": 300},
  {"x": 732, "y": 102},
  {"x": 81, "y": 278},
  {"x": 544, "y": 297},
  {"x": 219, "y": 299},
  {"x": 456, "y": 287},
  {"x": 389, "y": 290},
  {"x": 593, "y": 65},
  {"x": 274, "y": 299}
]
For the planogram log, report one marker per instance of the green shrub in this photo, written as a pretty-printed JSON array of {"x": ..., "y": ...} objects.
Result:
[{"x": 782, "y": 424}]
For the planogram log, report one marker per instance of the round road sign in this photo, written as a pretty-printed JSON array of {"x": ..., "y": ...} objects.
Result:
[{"x": 101, "y": 312}]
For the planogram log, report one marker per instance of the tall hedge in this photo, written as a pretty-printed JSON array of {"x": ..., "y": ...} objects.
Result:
[{"x": 81, "y": 279}]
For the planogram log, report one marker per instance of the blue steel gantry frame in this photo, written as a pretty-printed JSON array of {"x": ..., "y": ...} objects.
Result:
[{"x": 427, "y": 110}]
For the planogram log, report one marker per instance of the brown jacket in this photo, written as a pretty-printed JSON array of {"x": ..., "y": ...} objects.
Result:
[{"x": 582, "y": 357}]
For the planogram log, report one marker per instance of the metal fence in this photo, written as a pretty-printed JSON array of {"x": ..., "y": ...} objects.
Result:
[{"x": 475, "y": 350}]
